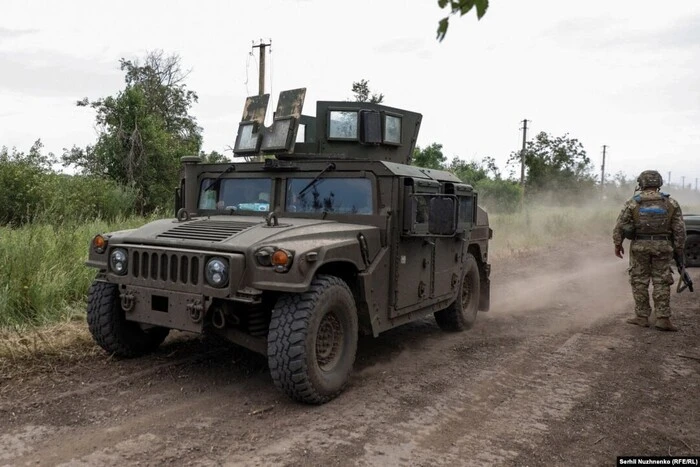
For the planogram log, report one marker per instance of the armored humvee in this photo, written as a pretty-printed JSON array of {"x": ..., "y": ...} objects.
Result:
[{"x": 325, "y": 231}]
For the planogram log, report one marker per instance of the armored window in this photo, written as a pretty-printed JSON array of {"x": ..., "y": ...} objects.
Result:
[
  {"x": 235, "y": 194},
  {"x": 332, "y": 195},
  {"x": 466, "y": 209},
  {"x": 277, "y": 137},
  {"x": 248, "y": 138},
  {"x": 392, "y": 129},
  {"x": 342, "y": 125}
]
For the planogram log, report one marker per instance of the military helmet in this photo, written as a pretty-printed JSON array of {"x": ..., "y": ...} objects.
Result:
[{"x": 650, "y": 179}]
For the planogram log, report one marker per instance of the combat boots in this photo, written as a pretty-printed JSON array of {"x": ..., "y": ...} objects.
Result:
[
  {"x": 639, "y": 321},
  {"x": 664, "y": 324}
]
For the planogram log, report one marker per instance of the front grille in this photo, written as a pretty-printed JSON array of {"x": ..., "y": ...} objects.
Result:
[
  {"x": 165, "y": 267},
  {"x": 207, "y": 230}
]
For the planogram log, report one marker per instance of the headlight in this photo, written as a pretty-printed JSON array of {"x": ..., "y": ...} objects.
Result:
[
  {"x": 118, "y": 260},
  {"x": 216, "y": 272},
  {"x": 264, "y": 256},
  {"x": 278, "y": 258}
]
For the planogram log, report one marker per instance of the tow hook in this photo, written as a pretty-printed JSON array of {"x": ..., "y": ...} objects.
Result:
[
  {"x": 128, "y": 301},
  {"x": 195, "y": 310}
]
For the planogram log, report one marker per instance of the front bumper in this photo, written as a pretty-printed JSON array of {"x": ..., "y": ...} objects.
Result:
[{"x": 166, "y": 308}]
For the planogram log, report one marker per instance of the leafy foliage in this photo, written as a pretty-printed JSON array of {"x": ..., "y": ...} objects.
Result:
[
  {"x": 431, "y": 157},
  {"x": 364, "y": 94},
  {"x": 462, "y": 7},
  {"x": 144, "y": 130},
  {"x": 555, "y": 164},
  {"x": 30, "y": 191}
]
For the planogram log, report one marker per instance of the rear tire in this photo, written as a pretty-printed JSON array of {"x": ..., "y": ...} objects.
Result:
[
  {"x": 312, "y": 341},
  {"x": 111, "y": 330},
  {"x": 461, "y": 314},
  {"x": 692, "y": 251}
]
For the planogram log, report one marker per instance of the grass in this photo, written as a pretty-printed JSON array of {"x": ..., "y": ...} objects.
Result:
[
  {"x": 43, "y": 277},
  {"x": 537, "y": 227}
]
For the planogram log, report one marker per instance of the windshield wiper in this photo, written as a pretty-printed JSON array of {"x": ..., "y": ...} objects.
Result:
[
  {"x": 217, "y": 180},
  {"x": 328, "y": 168}
]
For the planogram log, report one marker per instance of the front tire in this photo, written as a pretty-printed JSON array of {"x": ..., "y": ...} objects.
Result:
[
  {"x": 312, "y": 341},
  {"x": 692, "y": 251},
  {"x": 111, "y": 330},
  {"x": 461, "y": 314}
]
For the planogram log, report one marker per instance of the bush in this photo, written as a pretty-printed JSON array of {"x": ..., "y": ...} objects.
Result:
[
  {"x": 80, "y": 198},
  {"x": 499, "y": 196},
  {"x": 29, "y": 192}
]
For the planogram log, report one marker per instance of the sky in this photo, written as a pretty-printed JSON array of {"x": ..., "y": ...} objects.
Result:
[{"x": 623, "y": 73}]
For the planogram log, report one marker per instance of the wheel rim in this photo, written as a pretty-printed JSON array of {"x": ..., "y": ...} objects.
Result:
[
  {"x": 329, "y": 341},
  {"x": 466, "y": 292}
]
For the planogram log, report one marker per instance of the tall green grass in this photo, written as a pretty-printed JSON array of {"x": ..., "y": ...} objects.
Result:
[
  {"x": 43, "y": 277},
  {"x": 538, "y": 226}
]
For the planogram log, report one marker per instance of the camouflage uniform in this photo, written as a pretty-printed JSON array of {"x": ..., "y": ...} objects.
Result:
[{"x": 658, "y": 231}]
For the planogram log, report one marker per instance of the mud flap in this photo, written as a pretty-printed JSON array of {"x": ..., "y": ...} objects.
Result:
[{"x": 485, "y": 294}]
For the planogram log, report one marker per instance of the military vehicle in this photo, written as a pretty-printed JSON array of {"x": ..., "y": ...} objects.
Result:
[
  {"x": 323, "y": 232},
  {"x": 692, "y": 241}
]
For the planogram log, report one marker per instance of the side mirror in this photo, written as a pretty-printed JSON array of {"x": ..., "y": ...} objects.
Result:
[{"x": 441, "y": 216}]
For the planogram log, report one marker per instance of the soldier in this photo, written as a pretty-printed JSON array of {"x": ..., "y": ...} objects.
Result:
[{"x": 653, "y": 221}]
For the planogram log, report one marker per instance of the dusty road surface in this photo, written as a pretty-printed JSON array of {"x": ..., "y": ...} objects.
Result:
[{"x": 550, "y": 376}]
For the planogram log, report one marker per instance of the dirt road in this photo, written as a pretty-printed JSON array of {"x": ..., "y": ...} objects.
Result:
[{"x": 550, "y": 376}]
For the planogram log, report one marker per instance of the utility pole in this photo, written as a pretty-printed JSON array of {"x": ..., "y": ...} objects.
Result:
[
  {"x": 261, "y": 77},
  {"x": 602, "y": 169},
  {"x": 669, "y": 178},
  {"x": 683, "y": 182},
  {"x": 696, "y": 184},
  {"x": 261, "y": 56},
  {"x": 522, "y": 155}
]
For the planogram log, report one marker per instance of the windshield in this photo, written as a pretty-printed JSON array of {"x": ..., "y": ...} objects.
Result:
[
  {"x": 239, "y": 194},
  {"x": 333, "y": 195}
]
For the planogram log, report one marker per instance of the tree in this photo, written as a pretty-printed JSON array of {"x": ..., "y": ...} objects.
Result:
[
  {"x": 555, "y": 163},
  {"x": 363, "y": 93},
  {"x": 213, "y": 157},
  {"x": 430, "y": 157},
  {"x": 470, "y": 172},
  {"x": 143, "y": 130},
  {"x": 462, "y": 7}
]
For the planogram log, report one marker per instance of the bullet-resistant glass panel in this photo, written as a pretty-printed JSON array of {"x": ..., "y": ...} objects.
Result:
[
  {"x": 342, "y": 124},
  {"x": 466, "y": 209},
  {"x": 278, "y": 137},
  {"x": 392, "y": 129},
  {"x": 237, "y": 194},
  {"x": 247, "y": 140},
  {"x": 333, "y": 195}
]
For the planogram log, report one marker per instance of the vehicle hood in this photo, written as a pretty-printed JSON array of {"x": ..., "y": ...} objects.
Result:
[
  {"x": 236, "y": 233},
  {"x": 692, "y": 219}
]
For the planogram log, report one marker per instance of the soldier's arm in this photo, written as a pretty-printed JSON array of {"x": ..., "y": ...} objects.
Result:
[
  {"x": 625, "y": 217},
  {"x": 677, "y": 227}
]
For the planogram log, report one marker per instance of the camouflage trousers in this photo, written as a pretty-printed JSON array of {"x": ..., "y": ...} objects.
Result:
[{"x": 651, "y": 260}]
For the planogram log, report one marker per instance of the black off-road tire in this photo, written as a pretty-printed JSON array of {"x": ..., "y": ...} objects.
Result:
[
  {"x": 692, "y": 251},
  {"x": 461, "y": 314},
  {"x": 312, "y": 341},
  {"x": 112, "y": 331}
]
